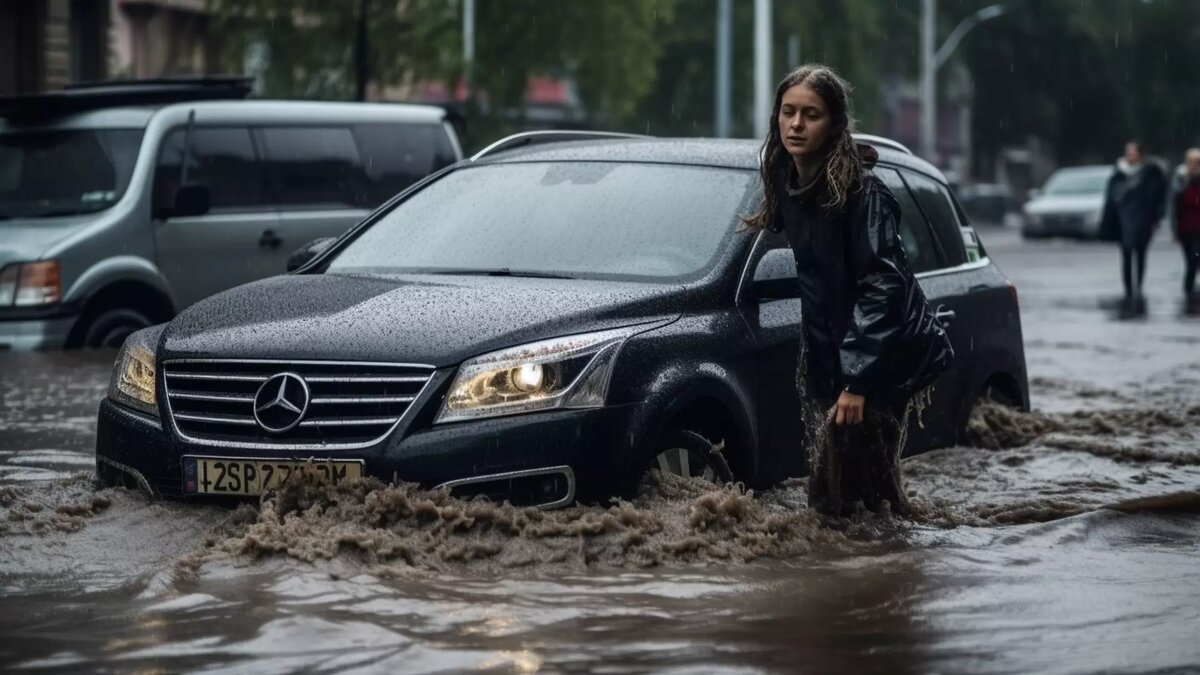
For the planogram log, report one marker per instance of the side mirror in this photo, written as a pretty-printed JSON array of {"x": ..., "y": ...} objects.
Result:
[
  {"x": 775, "y": 276},
  {"x": 307, "y": 252},
  {"x": 191, "y": 200}
]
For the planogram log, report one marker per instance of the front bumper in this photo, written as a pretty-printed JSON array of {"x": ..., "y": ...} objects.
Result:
[
  {"x": 33, "y": 334},
  {"x": 599, "y": 446}
]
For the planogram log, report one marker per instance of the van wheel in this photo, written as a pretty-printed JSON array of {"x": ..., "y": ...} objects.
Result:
[
  {"x": 110, "y": 328},
  {"x": 689, "y": 454}
]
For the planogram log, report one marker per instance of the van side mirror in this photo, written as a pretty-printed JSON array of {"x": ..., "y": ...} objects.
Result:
[
  {"x": 308, "y": 251},
  {"x": 775, "y": 276},
  {"x": 191, "y": 200}
]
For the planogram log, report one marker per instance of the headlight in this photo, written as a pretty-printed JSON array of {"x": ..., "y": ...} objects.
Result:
[
  {"x": 1092, "y": 219},
  {"x": 133, "y": 382},
  {"x": 1033, "y": 219},
  {"x": 568, "y": 372}
]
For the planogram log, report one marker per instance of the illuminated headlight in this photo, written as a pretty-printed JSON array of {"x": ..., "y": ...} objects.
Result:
[
  {"x": 132, "y": 382},
  {"x": 568, "y": 372}
]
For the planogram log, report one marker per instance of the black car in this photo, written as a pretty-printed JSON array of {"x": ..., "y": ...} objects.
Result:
[{"x": 542, "y": 321}]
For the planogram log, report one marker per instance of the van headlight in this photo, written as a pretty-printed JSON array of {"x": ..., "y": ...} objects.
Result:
[
  {"x": 133, "y": 382},
  {"x": 567, "y": 372}
]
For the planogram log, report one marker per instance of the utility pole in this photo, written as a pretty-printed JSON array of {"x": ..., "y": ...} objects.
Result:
[
  {"x": 762, "y": 67},
  {"x": 468, "y": 54},
  {"x": 361, "y": 56},
  {"x": 724, "y": 68}
]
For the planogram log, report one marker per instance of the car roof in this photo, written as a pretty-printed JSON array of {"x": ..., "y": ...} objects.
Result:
[
  {"x": 716, "y": 152},
  {"x": 254, "y": 111}
]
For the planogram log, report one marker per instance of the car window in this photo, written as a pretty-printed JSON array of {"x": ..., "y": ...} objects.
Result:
[
  {"x": 604, "y": 220},
  {"x": 919, "y": 246},
  {"x": 221, "y": 158},
  {"x": 935, "y": 202},
  {"x": 395, "y": 156},
  {"x": 315, "y": 167},
  {"x": 45, "y": 173}
]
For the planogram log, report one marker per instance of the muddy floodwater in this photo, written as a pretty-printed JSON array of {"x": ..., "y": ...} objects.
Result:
[{"x": 1063, "y": 540}]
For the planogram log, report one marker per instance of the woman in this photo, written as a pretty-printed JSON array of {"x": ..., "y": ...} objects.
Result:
[
  {"x": 1186, "y": 216},
  {"x": 870, "y": 341}
]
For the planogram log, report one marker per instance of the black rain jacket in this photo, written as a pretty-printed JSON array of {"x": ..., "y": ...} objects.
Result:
[{"x": 867, "y": 325}]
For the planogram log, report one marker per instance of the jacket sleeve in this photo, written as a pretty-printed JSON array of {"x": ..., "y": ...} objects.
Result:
[{"x": 879, "y": 266}]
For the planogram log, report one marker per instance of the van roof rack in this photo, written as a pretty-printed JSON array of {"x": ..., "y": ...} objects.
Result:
[
  {"x": 84, "y": 96},
  {"x": 527, "y": 138},
  {"x": 882, "y": 142}
]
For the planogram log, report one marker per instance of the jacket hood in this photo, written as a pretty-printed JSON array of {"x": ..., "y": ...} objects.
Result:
[{"x": 438, "y": 321}]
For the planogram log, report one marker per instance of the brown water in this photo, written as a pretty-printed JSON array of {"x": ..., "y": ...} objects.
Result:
[{"x": 1063, "y": 540}]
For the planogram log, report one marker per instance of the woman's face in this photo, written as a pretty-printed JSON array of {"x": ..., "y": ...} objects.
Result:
[{"x": 804, "y": 122}]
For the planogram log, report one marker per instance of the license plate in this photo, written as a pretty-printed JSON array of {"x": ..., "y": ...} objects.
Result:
[{"x": 232, "y": 476}]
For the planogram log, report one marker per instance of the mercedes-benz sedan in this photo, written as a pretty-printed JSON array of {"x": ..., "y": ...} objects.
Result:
[{"x": 539, "y": 323}]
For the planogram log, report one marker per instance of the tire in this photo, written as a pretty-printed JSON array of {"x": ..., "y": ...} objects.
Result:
[
  {"x": 109, "y": 328},
  {"x": 687, "y": 453}
]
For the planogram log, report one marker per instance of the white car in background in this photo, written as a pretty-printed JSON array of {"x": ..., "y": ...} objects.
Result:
[{"x": 1069, "y": 204}]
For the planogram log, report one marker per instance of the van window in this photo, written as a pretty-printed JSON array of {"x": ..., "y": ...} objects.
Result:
[
  {"x": 395, "y": 156},
  {"x": 315, "y": 167},
  {"x": 220, "y": 157},
  {"x": 942, "y": 216},
  {"x": 46, "y": 173},
  {"x": 919, "y": 246}
]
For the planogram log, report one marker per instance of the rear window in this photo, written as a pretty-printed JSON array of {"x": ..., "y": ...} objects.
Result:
[{"x": 638, "y": 222}]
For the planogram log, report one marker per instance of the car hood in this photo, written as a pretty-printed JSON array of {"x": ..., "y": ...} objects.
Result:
[
  {"x": 25, "y": 239},
  {"x": 439, "y": 321},
  {"x": 1085, "y": 203}
]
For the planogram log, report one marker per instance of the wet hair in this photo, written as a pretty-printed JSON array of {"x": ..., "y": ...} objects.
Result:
[{"x": 842, "y": 169}]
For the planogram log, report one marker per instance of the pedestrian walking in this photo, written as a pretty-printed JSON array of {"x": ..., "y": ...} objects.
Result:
[
  {"x": 1185, "y": 212},
  {"x": 870, "y": 342},
  {"x": 1134, "y": 202}
]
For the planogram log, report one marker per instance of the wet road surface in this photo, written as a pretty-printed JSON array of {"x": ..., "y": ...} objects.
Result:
[{"x": 1065, "y": 541}]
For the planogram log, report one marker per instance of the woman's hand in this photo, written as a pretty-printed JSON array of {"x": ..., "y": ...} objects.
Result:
[{"x": 849, "y": 408}]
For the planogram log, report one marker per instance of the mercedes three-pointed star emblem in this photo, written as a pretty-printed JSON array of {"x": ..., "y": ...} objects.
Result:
[{"x": 281, "y": 402}]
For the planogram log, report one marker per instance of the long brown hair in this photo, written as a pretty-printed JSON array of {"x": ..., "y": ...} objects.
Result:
[{"x": 843, "y": 167}]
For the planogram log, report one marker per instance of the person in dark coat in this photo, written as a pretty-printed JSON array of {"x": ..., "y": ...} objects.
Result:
[
  {"x": 869, "y": 340},
  {"x": 1185, "y": 216},
  {"x": 1134, "y": 203}
]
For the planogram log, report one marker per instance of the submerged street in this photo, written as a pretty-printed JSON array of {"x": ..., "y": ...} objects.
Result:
[{"x": 1061, "y": 540}]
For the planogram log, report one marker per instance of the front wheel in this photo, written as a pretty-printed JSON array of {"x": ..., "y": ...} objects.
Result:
[
  {"x": 689, "y": 454},
  {"x": 110, "y": 328}
]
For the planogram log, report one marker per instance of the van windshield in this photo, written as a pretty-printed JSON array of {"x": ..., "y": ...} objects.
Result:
[
  {"x": 600, "y": 220},
  {"x": 64, "y": 172}
]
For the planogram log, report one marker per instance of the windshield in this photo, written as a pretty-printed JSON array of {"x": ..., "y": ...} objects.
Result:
[
  {"x": 638, "y": 222},
  {"x": 1078, "y": 181},
  {"x": 64, "y": 172}
]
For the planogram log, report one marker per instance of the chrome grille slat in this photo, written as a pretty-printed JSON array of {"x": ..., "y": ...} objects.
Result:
[
  {"x": 215, "y": 419},
  {"x": 334, "y": 422},
  {"x": 325, "y": 400},
  {"x": 228, "y": 398},
  {"x": 352, "y": 405}
]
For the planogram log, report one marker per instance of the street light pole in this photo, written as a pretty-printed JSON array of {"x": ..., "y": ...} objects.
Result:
[
  {"x": 762, "y": 66},
  {"x": 724, "y": 68},
  {"x": 932, "y": 61}
]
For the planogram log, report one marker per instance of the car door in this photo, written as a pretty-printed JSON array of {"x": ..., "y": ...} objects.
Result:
[
  {"x": 318, "y": 183},
  {"x": 202, "y": 255},
  {"x": 949, "y": 291},
  {"x": 776, "y": 329}
]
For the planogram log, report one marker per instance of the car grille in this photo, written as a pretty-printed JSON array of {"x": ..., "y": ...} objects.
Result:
[
  {"x": 1064, "y": 223},
  {"x": 351, "y": 404}
]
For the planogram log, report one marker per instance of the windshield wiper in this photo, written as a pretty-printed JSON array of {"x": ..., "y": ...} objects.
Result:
[{"x": 503, "y": 272}]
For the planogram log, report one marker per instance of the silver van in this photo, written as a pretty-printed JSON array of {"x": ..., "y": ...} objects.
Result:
[{"x": 122, "y": 204}]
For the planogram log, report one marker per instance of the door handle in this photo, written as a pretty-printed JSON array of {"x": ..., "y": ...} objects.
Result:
[
  {"x": 269, "y": 239},
  {"x": 944, "y": 315}
]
